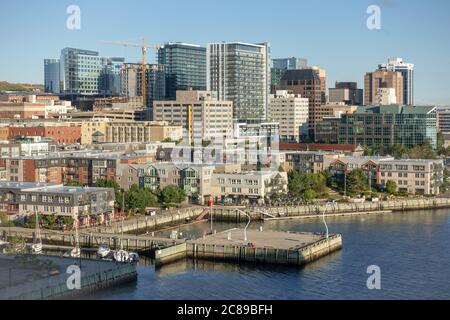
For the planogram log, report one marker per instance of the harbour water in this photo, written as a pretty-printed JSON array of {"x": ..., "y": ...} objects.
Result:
[{"x": 412, "y": 250}]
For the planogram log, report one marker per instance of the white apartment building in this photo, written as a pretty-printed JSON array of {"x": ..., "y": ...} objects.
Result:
[
  {"x": 413, "y": 176},
  {"x": 291, "y": 112},
  {"x": 201, "y": 114},
  {"x": 247, "y": 187}
]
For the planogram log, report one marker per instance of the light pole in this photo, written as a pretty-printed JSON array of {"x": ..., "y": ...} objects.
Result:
[
  {"x": 323, "y": 218},
  {"x": 248, "y": 223}
]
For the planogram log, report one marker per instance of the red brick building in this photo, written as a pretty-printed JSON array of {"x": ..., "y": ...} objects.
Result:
[{"x": 60, "y": 134}]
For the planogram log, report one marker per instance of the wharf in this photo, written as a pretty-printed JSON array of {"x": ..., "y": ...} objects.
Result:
[{"x": 269, "y": 247}]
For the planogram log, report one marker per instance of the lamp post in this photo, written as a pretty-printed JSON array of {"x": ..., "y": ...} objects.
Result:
[{"x": 248, "y": 223}]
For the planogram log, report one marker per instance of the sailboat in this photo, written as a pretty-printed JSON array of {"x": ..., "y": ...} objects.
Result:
[
  {"x": 37, "y": 243},
  {"x": 121, "y": 255},
  {"x": 76, "y": 251}
]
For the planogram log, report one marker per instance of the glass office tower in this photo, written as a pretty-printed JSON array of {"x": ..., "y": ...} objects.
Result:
[
  {"x": 184, "y": 67},
  {"x": 240, "y": 72},
  {"x": 51, "y": 75}
]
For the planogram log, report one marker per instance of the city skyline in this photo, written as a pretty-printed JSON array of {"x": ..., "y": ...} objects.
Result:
[{"x": 287, "y": 37}]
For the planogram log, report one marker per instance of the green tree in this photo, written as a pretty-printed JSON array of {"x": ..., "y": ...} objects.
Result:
[
  {"x": 357, "y": 182},
  {"x": 391, "y": 187},
  {"x": 309, "y": 195},
  {"x": 424, "y": 151},
  {"x": 172, "y": 195}
]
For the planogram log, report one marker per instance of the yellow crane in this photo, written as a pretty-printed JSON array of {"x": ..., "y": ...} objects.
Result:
[{"x": 144, "y": 47}]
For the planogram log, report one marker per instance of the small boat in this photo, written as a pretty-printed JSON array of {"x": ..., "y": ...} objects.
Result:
[
  {"x": 133, "y": 257},
  {"x": 37, "y": 248},
  {"x": 103, "y": 250},
  {"x": 75, "y": 252},
  {"x": 37, "y": 243},
  {"x": 121, "y": 256}
]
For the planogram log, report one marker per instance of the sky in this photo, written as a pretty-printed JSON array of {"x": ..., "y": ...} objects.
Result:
[{"x": 332, "y": 34}]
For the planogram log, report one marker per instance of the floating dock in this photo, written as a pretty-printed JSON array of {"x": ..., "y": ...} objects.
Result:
[{"x": 269, "y": 247}]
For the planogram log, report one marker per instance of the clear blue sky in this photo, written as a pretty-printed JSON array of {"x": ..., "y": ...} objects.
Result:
[{"x": 329, "y": 33}]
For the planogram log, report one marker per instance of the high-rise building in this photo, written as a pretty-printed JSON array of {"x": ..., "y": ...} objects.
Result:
[
  {"x": 309, "y": 83},
  {"x": 185, "y": 67},
  {"x": 51, "y": 75},
  {"x": 81, "y": 71},
  {"x": 111, "y": 76},
  {"x": 407, "y": 71},
  {"x": 279, "y": 67},
  {"x": 240, "y": 72},
  {"x": 346, "y": 92},
  {"x": 289, "y": 63},
  {"x": 131, "y": 82},
  {"x": 382, "y": 79},
  {"x": 291, "y": 112}
]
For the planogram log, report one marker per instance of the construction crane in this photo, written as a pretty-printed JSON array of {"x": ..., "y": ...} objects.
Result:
[{"x": 144, "y": 47}]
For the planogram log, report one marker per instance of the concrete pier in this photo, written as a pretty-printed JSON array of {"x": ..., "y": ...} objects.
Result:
[{"x": 268, "y": 247}]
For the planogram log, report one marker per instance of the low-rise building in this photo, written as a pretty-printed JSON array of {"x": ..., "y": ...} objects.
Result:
[
  {"x": 85, "y": 204},
  {"x": 254, "y": 187},
  {"x": 201, "y": 114},
  {"x": 306, "y": 161}
]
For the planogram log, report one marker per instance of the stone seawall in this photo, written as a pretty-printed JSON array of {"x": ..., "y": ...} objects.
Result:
[{"x": 235, "y": 214}]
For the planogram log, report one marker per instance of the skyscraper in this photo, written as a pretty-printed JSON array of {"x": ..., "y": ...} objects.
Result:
[
  {"x": 51, "y": 75},
  {"x": 382, "y": 79},
  {"x": 309, "y": 83},
  {"x": 240, "y": 72},
  {"x": 279, "y": 67},
  {"x": 84, "y": 72},
  {"x": 111, "y": 76},
  {"x": 407, "y": 71},
  {"x": 184, "y": 66}
]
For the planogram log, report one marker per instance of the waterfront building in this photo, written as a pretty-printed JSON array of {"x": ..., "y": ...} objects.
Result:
[
  {"x": 420, "y": 177},
  {"x": 240, "y": 72},
  {"x": 27, "y": 198},
  {"x": 389, "y": 125},
  {"x": 309, "y": 83},
  {"x": 306, "y": 161},
  {"x": 193, "y": 179},
  {"x": 291, "y": 112},
  {"x": 185, "y": 68},
  {"x": 413, "y": 176},
  {"x": 254, "y": 187},
  {"x": 346, "y": 92},
  {"x": 382, "y": 79},
  {"x": 200, "y": 113},
  {"x": 407, "y": 71},
  {"x": 51, "y": 76}
]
